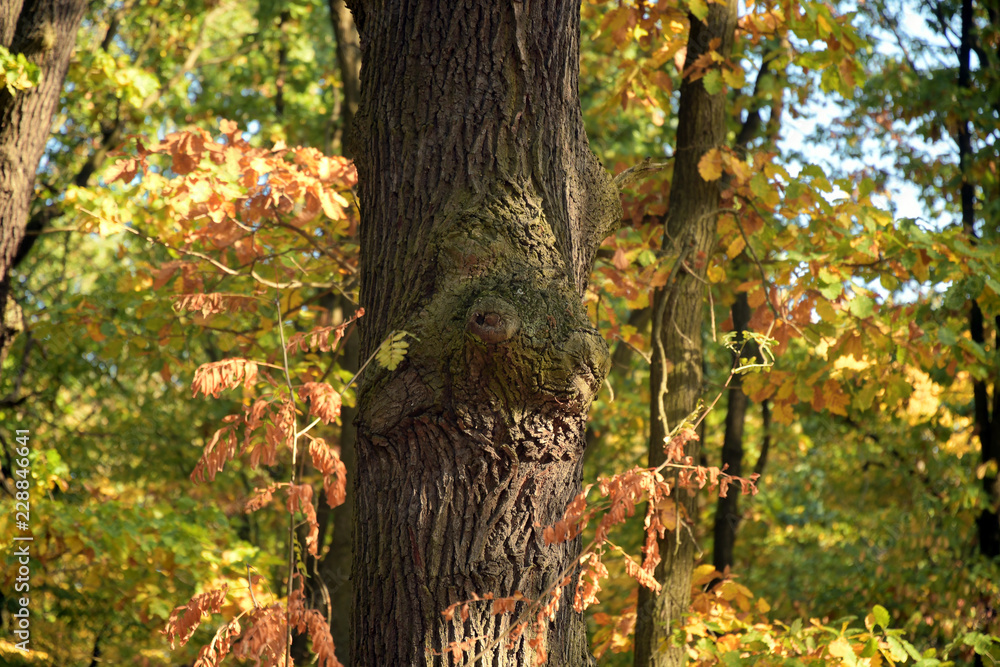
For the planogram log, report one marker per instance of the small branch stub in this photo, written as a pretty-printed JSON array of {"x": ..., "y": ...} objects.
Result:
[{"x": 492, "y": 321}]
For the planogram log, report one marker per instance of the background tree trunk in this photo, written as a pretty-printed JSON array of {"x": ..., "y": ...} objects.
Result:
[
  {"x": 349, "y": 63},
  {"x": 727, "y": 512},
  {"x": 985, "y": 410},
  {"x": 45, "y": 32},
  {"x": 676, "y": 369},
  {"x": 482, "y": 209}
]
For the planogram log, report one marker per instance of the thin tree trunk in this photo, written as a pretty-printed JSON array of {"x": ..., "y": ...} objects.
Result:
[
  {"x": 45, "y": 32},
  {"x": 482, "y": 209},
  {"x": 988, "y": 521},
  {"x": 335, "y": 569},
  {"x": 727, "y": 513},
  {"x": 765, "y": 442},
  {"x": 676, "y": 370},
  {"x": 349, "y": 63},
  {"x": 328, "y": 585}
]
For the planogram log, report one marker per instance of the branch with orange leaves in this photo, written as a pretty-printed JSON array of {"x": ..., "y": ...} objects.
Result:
[{"x": 293, "y": 284}]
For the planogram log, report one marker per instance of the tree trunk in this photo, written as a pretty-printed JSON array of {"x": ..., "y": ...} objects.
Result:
[
  {"x": 328, "y": 586},
  {"x": 676, "y": 369},
  {"x": 349, "y": 64},
  {"x": 45, "y": 32},
  {"x": 482, "y": 208},
  {"x": 988, "y": 521},
  {"x": 335, "y": 568},
  {"x": 727, "y": 512}
]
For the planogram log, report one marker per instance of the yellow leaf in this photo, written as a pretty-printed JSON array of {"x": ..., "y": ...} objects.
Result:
[
  {"x": 825, "y": 310},
  {"x": 261, "y": 165},
  {"x": 393, "y": 350},
  {"x": 716, "y": 274},
  {"x": 734, "y": 76},
  {"x": 710, "y": 165},
  {"x": 703, "y": 574},
  {"x": 841, "y": 648},
  {"x": 823, "y": 26},
  {"x": 781, "y": 413},
  {"x": 331, "y": 203},
  {"x": 736, "y": 247},
  {"x": 200, "y": 191},
  {"x": 108, "y": 227}
]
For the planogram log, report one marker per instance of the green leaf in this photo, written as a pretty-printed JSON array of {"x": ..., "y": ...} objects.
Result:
[
  {"x": 831, "y": 291},
  {"x": 699, "y": 8},
  {"x": 392, "y": 351},
  {"x": 759, "y": 186},
  {"x": 863, "y": 401},
  {"x": 947, "y": 336},
  {"x": 881, "y": 615},
  {"x": 911, "y": 649},
  {"x": 862, "y": 306},
  {"x": 713, "y": 82},
  {"x": 828, "y": 276},
  {"x": 992, "y": 283},
  {"x": 896, "y": 651},
  {"x": 17, "y": 72}
]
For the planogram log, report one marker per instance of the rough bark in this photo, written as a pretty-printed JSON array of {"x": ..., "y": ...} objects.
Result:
[
  {"x": 45, "y": 32},
  {"x": 482, "y": 209},
  {"x": 727, "y": 512},
  {"x": 676, "y": 369}
]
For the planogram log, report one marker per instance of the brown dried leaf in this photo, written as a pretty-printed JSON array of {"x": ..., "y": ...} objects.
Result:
[
  {"x": 214, "y": 303},
  {"x": 300, "y": 498},
  {"x": 212, "y": 378},
  {"x": 334, "y": 472},
  {"x": 324, "y": 401},
  {"x": 184, "y": 620}
]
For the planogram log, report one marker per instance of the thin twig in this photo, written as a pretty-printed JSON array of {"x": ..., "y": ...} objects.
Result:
[
  {"x": 635, "y": 172},
  {"x": 295, "y": 451}
]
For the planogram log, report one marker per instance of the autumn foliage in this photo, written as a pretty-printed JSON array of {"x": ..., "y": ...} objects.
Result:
[{"x": 188, "y": 303}]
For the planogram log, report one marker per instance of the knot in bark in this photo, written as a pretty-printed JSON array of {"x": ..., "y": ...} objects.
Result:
[{"x": 492, "y": 320}]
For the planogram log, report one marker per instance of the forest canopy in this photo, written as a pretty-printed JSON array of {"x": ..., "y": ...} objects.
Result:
[{"x": 622, "y": 333}]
